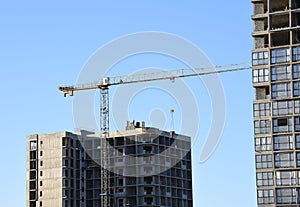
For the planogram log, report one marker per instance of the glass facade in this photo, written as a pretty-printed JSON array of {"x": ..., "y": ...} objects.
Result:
[
  {"x": 283, "y": 142},
  {"x": 280, "y": 55},
  {"x": 260, "y": 58},
  {"x": 263, "y": 144},
  {"x": 265, "y": 178},
  {"x": 282, "y": 108},
  {"x": 261, "y": 109},
  {"x": 280, "y": 90},
  {"x": 280, "y": 73},
  {"x": 260, "y": 75},
  {"x": 296, "y": 71},
  {"x": 276, "y": 108}
]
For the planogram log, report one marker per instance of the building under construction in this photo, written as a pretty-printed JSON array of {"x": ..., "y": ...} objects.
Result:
[
  {"x": 147, "y": 167},
  {"x": 276, "y": 80}
]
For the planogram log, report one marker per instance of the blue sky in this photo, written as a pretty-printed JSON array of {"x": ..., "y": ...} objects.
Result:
[{"x": 46, "y": 43}]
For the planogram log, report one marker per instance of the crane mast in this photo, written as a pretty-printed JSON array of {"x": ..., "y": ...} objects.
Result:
[
  {"x": 104, "y": 85},
  {"x": 104, "y": 155}
]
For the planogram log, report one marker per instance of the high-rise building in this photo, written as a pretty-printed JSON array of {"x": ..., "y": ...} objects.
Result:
[
  {"x": 149, "y": 167},
  {"x": 276, "y": 108}
]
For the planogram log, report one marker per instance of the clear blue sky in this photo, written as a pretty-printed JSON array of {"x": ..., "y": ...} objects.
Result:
[{"x": 46, "y": 43}]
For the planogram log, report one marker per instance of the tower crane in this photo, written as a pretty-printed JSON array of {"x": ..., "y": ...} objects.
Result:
[{"x": 104, "y": 85}]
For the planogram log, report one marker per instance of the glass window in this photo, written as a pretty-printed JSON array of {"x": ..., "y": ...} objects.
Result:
[
  {"x": 65, "y": 192},
  {"x": 263, "y": 144},
  {"x": 262, "y": 126},
  {"x": 32, "y": 165},
  {"x": 296, "y": 54},
  {"x": 65, "y": 162},
  {"x": 298, "y": 159},
  {"x": 296, "y": 71},
  {"x": 261, "y": 109},
  {"x": 32, "y": 145},
  {"x": 283, "y": 142},
  {"x": 260, "y": 75},
  {"x": 285, "y": 178},
  {"x": 297, "y": 106},
  {"x": 265, "y": 196},
  {"x": 32, "y": 155},
  {"x": 296, "y": 88},
  {"x": 283, "y": 160},
  {"x": 297, "y": 140},
  {"x": 282, "y": 125},
  {"x": 280, "y": 73},
  {"x": 263, "y": 161},
  {"x": 280, "y": 55},
  {"x": 282, "y": 108},
  {"x": 264, "y": 179},
  {"x": 286, "y": 195},
  {"x": 281, "y": 90},
  {"x": 297, "y": 123},
  {"x": 65, "y": 173},
  {"x": 260, "y": 58}
]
